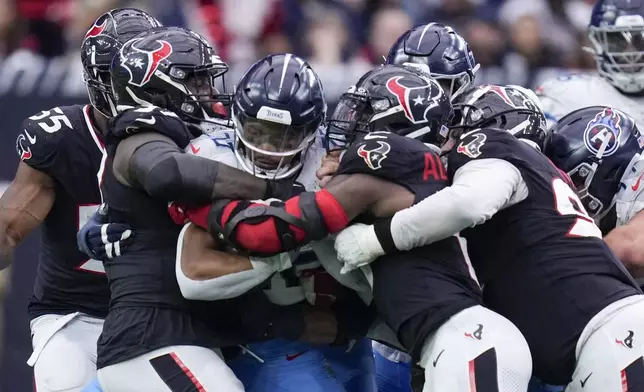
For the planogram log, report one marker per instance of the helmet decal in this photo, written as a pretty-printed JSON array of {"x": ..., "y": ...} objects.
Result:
[
  {"x": 145, "y": 59},
  {"x": 602, "y": 133},
  {"x": 420, "y": 94},
  {"x": 96, "y": 30}
]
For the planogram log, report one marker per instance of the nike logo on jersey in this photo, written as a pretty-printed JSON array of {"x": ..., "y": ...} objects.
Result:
[
  {"x": 583, "y": 382},
  {"x": 150, "y": 121},
  {"x": 292, "y": 357},
  {"x": 439, "y": 355},
  {"x": 637, "y": 184},
  {"x": 195, "y": 150},
  {"x": 32, "y": 139}
]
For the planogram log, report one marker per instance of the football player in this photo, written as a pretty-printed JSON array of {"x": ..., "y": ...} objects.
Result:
[
  {"x": 426, "y": 296},
  {"x": 616, "y": 32},
  {"x": 437, "y": 50},
  {"x": 536, "y": 252},
  {"x": 62, "y": 157},
  {"x": 601, "y": 150},
  {"x": 153, "y": 338},
  {"x": 278, "y": 109}
]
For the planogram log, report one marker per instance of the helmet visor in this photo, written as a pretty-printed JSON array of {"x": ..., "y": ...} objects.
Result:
[{"x": 271, "y": 146}]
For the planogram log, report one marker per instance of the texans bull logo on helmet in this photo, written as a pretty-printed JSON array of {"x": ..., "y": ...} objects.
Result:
[
  {"x": 602, "y": 133},
  {"x": 141, "y": 64},
  {"x": 96, "y": 30},
  {"x": 415, "y": 101},
  {"x": 374, "y": 152}
]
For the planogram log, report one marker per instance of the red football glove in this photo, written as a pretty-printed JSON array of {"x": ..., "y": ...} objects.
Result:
[
  {"x": 199, "y": 216},
  {"x": 178, "y": 213}
]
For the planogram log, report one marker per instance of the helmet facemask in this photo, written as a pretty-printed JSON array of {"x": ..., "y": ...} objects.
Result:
[
  {"x": 269, "y": 146},
  {"x": 350, "y": 119},
  {"x": 199, "y": 102},
  {"x": 99, "y": 89},
  {"x": 619, "y": 53}
]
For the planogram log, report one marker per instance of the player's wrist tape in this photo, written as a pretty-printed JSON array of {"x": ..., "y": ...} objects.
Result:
[{"x": 382, "y": 228}]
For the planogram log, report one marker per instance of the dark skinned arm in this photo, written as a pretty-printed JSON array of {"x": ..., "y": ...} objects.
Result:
[
  {"x": 200, "y": 259},
  {"x": 23, "y": 207},
  {"x": 154, "y": 163},
  {"x": 276, "y": 229},
  {"x": 627, "y": 242}
]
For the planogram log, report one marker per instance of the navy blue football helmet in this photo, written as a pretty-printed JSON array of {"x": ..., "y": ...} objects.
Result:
[
  {"x": 393, "y": 99},
  {"x": 277, "y": 109},
  {"x": 616, "y": 32},
  {"x": 101, "y": 43},
  {"x": 439, "y": 51},
  {"x": 595, "y": 146},
  {"x": 510, "y": 108},
  {"x": 175, "y": 69}
]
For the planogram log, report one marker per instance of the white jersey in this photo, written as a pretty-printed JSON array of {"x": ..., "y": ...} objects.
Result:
[
  {"x": 629, "y": 199},
  {"x": 283, "y": 291},
  {"x": 565, "y": 94}
]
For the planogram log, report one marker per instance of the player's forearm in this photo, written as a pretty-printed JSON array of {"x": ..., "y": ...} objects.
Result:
[
  {"x": 627, "y": 242},
  {"x": 165, "y": 172},
  {"x": 207, "y": 274},
  {"x": 223, "y": 286},
  {"x": 271, "y": 229},
  {"x": 477, "y": 192}
]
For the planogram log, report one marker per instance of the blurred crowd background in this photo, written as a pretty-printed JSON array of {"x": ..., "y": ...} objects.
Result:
[{"x": 515, "y": 41}]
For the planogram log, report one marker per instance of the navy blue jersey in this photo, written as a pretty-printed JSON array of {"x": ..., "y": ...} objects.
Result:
[
  {"x": 399, "y": 159},
  {"x": 542, "y": 262},
  {"x": 418, "y": 290},
  {"x": 63, "y": 143}
]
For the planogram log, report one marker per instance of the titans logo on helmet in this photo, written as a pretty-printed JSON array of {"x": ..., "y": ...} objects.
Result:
[
  {"x": 374, "y": 152},
  {"x": 602, "y": 133},
  {"x": 142, "y": 64},
  {"x": 412, "y": 98}
]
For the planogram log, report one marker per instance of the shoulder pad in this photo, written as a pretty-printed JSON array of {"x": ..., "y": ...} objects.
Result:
[
  {"x": 44, "y": 135},
  {"x": 629, "y": 200},
  {"x": 560, "y": 96},
  {"x": 395, "y": 158},
  {"x": 150, "y": 118},
  {"x": 480, "y": 144}
]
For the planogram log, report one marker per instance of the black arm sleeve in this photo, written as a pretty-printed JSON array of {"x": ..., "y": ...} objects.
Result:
[{"x": 164, "y": 171}]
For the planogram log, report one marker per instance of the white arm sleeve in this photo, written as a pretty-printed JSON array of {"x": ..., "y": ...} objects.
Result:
[
  {"x": 224, "y": 287},
  {"x": 480, "y": 189}
]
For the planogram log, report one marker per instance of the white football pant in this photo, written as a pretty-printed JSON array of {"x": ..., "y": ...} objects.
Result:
[
  {"x": 171, "y": 369},
  {"x": 64, "y": 357},
  {"x": 610, "y": 351},
  {"x": 476, "y": 350}
]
